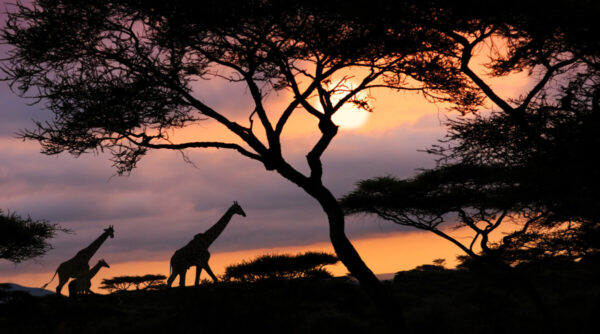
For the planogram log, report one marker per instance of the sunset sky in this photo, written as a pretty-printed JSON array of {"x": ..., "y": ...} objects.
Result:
[{"x": 165, "y": 201}]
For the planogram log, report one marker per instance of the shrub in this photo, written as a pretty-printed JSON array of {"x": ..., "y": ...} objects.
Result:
[
  {"x": 273, "y": 266},
  {"x": 122, "y": 283},
  {"x": 23, "y": 239}
]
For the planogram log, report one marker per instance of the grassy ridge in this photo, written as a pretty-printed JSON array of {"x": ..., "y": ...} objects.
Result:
[{"x": 446, "y": 301}]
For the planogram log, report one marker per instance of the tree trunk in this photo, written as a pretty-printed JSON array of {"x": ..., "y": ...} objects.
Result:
[{"x": 388, "y": 307}]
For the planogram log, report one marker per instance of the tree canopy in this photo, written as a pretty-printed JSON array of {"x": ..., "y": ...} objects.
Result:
[
  {"x": 122, "y": 283},
  {"x": 23, "y": 239},
  {"x": 528, "y": 159},
  {"x": 490, "y": 169},
  {"x": 124, "y": 76},
  {"x": 272, "y": 266},
  {"x": 476, "y": 197}
]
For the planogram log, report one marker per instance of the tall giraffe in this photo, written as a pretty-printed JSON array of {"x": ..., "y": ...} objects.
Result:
[
  {"x": 83, "y": 284},
  {"x": 78, "y": 266},
  {"x": 195, "y": 253}
]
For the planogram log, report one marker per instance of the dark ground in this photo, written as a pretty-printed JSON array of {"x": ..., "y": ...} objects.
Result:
[{"x": 448, "y": 301}]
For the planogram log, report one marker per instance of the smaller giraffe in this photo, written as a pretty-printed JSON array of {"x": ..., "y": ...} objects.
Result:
[
  {"x": 196, "y": 253},
  {"x": 83, "y": 284},
  {"x": 78, "y": 265}
]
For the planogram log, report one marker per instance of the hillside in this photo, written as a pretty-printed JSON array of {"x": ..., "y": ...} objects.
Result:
[
  {"x": 38, "y": 292},
  {"x": 448, "y": 301}
]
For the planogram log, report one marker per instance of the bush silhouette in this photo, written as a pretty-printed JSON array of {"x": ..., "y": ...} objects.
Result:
[
  {"x": 23, "y": 239},
  {"x": 122, "y": 283},
  {"x": 273, "y": 266}
]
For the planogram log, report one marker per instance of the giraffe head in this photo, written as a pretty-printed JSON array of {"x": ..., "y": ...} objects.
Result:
[
  {"x": 103, "y": 263},
  {"x": 238, "y": 209},
  {"x": 110, "y": 230}
]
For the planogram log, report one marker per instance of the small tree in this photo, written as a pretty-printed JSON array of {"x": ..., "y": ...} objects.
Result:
[
  {"x": 556, "y": 176},
  {"x": 480, "y": 198},
  {"x": 123, "y": 283},
  {"x": 307, "y": 265},
  {"x": 24, "y": 238},
  {"x": 439, "y": 262}
]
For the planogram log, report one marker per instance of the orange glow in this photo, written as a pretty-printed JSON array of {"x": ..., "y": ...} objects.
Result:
[
  {"x": 386, "y": 253},
  {"x": 382, "y": 253},
  {"x": 391, "y": 109}
]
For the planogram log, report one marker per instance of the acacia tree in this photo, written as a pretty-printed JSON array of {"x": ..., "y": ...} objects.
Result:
[
  {"x": 556, "y": 176},
  {"x": 544, "y": 135},
  {"x": 281, "y": 266},
  {"x": 557, "y": 47},
  {"x": 119, "y": 76},
  {"x": 123, "y": 283},
  {"x": 22, "y": 239},
  {"x": 479, "y": 198}
]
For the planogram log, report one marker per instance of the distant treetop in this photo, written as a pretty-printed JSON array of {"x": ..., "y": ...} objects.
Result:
[
  {"x": 23, "y": 239},
  {"x": 284, "y": 266}
]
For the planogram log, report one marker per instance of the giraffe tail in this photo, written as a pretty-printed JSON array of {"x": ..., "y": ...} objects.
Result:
[{"x": 45, "y": 285}]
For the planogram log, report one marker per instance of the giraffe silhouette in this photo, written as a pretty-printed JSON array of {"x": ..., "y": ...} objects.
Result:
[
  {"x": 83, "y": 284},
  {"x": 195, "y": 253},
  {"x": 78, "y": 266}
]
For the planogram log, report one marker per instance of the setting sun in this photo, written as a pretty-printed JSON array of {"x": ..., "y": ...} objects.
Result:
[{"x": 349, "y": 117}]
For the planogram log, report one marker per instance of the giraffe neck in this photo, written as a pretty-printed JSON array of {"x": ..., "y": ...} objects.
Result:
[
  {"x": 90, "y": 250},
  {"x": 213, "y": 233},
  {"x": 94, "y": 270}
]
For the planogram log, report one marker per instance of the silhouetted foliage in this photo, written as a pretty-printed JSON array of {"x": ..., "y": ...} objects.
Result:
[
  {"x": 553, "y": 175},
  {"x": 307, "y": 265},
  {"x": 476, "y": 197},
  {"x": 530, "y": 160},
  {"x": 22, "y": 239},
  {"x": 448, "y": 301},
  {"x": 122, "y": 283},
  {"x": 548, "y": 187},
  {"x": 438, "y": 265},
  {"x": 118, "y": 74},
  {"x": 439, "y": 262},
  {"x": 429, "y": 267},
  {"x": 542, "y": 139}
]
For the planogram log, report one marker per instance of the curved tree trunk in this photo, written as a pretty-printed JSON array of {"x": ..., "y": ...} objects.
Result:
[{"x": 388, "y": 307}]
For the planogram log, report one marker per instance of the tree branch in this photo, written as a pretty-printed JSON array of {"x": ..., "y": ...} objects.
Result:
[
  {"x": 146, "y": 143},
  {"x": 540, "y": 85}
]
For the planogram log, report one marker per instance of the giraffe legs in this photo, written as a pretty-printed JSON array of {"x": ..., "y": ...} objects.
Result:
[
  {"x": 198, "y": 272},
  {"x": 62, "y": 280},
  {"x": 182, "y": 278},
  {"x": 209, "y": 271},
  {"x": 171, "y": 278}
]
